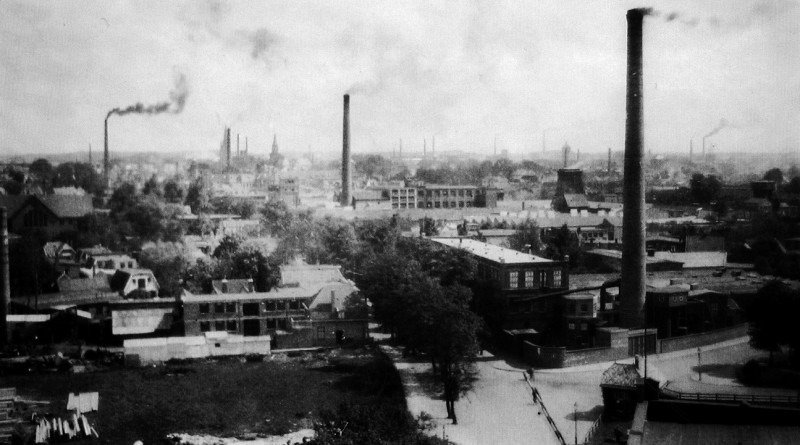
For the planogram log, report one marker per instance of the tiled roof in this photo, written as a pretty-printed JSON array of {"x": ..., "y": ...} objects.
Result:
[
  {"x": 52, "y": 249},
  {"x": 576, "y": 200},
  {"x": 234, "y": 286}
]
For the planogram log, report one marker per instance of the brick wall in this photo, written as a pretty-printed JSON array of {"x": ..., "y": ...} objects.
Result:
[{"x": 702, "y": 339}]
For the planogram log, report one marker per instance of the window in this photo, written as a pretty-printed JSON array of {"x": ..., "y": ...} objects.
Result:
[
  {"x": 271, "y": 324},
  {"x": 572, "y": 326},
  {"x": 272, "y": 306},
  {"x": 282, "y": 323},
  {"x": 584, "y": 308},
  {"x": 204, "y": 308},
  {"x": 219, "y": 325},
  {"x": 529, "y": 282},
  {"x": 219, "y": 308},
  {"x": 230, "y": 307},
  {"x": 542, "y": 279},
  {"x": 294, "y": 305},
  {"x": 142, "y": 283},
  {"x": 556, "y": 278},
  {"x": 320, "y": 332},
  {"x": 584, "y": 327},
  {"x": 250, "y": 309},
  {"x": 205, "y": 326},
  {"x": 513, "y": 279},
  {"x": 130, "y": 264},
  {"x": 232, "y": 326}
]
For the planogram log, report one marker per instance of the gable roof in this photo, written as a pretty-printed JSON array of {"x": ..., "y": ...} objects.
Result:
[
  {"x": 234, "y": 286},
  {"x": 629, "y": 375},
  {"x": 62, "y": 206},
  {"x": 98, "y": 283},
  {"x": 53, "y": 249}
]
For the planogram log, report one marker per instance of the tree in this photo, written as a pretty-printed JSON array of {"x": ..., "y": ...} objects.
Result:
[
  {"x": 199, "y": 195},
  {"x": 173, "y": 192},
  {"x": 562, "y": 242},
  {"x": 123, "y": 198},
  {"x": 276, "y": 217},
  {"x": 152, "y": 187},
  {"x": 79, "y": 174},
  {"x": 168, "y": 261},
  {"x": 42, "y": 172},
  {"x": 771, "y": 316},
  {"x": 775, "y": 175},
  {"x": 705, "y": 189},
  {"x": 526, "y": 238},
  {"x": 228, "y": 245},
  {"x": 427, "y": 227}
]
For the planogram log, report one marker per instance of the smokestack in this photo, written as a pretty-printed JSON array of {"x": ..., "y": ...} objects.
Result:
[
  {"x": 401, "y": 148},
  {"x": 228, "y": 146},
  {"x": 5, "y": 284},
  {"x": 691, "y": 150},
  {"x": 632, "y": 284},
  {"x": 565, "y": 150},
  {"x": 703, "y": 157},
  {"x": 347, "y": 180},
  {"x": 105, "y": 153}
]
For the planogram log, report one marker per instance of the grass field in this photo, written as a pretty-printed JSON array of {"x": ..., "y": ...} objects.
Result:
[{"x": 225, "y": 398}]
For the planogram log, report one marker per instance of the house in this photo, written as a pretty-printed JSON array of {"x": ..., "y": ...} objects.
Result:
[
  {"x": 110, "y": 262},
  {"x": 524, "y": 284},
  {"x": 233, "y": 286},
  {"x": 56, "y": 252},
  {"x": 52, "y": 214},
  {"x": 125, "y": 281},
  {"x": 623, "y": 386},
  {"x": 570, "y": 203}
]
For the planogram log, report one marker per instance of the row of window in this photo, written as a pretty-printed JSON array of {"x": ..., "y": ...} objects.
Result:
[
  {"x": 438, "y": 193},
  {"x": 451, "y": 204},
  {"x": 232, "y": 325},
  {"x": 534, "y": 279},
  {"x": 249, "y": 308}
]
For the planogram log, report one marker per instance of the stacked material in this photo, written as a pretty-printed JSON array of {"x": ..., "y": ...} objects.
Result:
[{"x": 57, "y": 429}]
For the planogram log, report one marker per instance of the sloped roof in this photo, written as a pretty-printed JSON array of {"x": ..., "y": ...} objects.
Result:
[
  {"x": 311, "y": 275},
  {"x": 98, "y": 283},
  {"x": 286, "y": 293},
  {"x": 68, "y": 206},
  {"x": 629, "y": 375},
  {"x": 52, "y": 249},
  {"x": 235, "y": 286},
  {"x": 12, "y": 203},
  {"x": 576, "y": 200}
]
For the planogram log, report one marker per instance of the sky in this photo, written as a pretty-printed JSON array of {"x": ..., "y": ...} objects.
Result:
[{"x": 530, "y": 75}]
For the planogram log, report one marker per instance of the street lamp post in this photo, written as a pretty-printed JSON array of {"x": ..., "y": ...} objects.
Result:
[
  {"x": 575, "y": 418},
  {"x": 699, "y": 370}
]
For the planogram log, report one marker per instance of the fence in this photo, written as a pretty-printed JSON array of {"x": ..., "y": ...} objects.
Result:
[
  {"x": 770, "y": 399},
  {"x": 538, "y": 397},
  {"x": 589, "y": 438}
]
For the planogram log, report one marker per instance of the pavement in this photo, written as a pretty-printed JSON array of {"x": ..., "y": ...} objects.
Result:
[{"x": 499, "y": 409}]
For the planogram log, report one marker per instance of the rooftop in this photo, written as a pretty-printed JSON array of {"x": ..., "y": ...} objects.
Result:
[
  {"x": 288, "y": 293},
  {"x": 491, "y": 252}
]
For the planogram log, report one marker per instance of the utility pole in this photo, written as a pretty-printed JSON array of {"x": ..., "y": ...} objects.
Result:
[{"x": 575, "y": 417}]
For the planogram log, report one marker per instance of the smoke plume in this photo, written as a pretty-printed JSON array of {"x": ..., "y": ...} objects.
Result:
[
  {"x": 722, "y": 124},
  {"x": 177, "y": 100},
  {"x": 669, "y": 16}
]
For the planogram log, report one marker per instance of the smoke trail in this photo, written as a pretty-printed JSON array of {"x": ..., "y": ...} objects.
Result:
[
  {"x": 722, "y": 124},
  {"x": 177, "y": 100},
  {"x": 669, "y": 16}
]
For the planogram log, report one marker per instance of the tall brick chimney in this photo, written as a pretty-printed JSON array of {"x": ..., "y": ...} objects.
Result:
[
  {"x": 632, "y": 285},
  {"x": 347, "y": 179},
  {"x": 5, "y": 284}
]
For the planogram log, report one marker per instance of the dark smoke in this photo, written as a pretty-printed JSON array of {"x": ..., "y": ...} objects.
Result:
[
  {"x": 669, "y": 16},
  {"x": 177, "y": 100},
  {"x": 722, "y": 124}
]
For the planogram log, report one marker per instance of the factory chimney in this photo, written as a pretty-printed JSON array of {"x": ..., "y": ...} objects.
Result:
[
  {"x": 347, "y": 180},
  {"x": 691, "y": 150},
  {"x": 5, "y": 284},
  {"x": 105, "y": 153},
  {"x": 228, "y": 147},
  {"x": 632, "y": 283}
]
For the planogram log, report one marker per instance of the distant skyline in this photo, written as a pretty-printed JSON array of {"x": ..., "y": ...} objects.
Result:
[{"x": 462, "y": 72}]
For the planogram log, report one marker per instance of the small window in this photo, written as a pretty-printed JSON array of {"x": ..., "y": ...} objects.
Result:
[
  {"x": 584, "y": 308},
  {"x": 584, "y": 326},
  {"x": 272, "y": 323},
  {"x": 556, "y": 278},
  {"x": 529, "y": 282},
  {"x": 230, "y": 308},
  {"x": 572, "y": 326},
  {"x": 204, "y": 308},
  {"x": 219, "y": 308},
  {"x": 320, "y": 332},
  {"x": 294, "y": 305},
  {"x": 513, "y": 279},
  {"x": 205, "y": 326},
  {"x": 219, "y": 325},
  {"x": 232, "y": 325},
  {"x": 282, "y": 324},
  {"x": 130, "y": 264},
  {"x": 250, "y": 309},
  {"x": 272, "y": 306}
]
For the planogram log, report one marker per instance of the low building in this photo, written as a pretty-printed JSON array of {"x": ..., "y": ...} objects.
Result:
[
  {"x": 126, "y": 281},
  {"x": 623, "y": 387}
]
